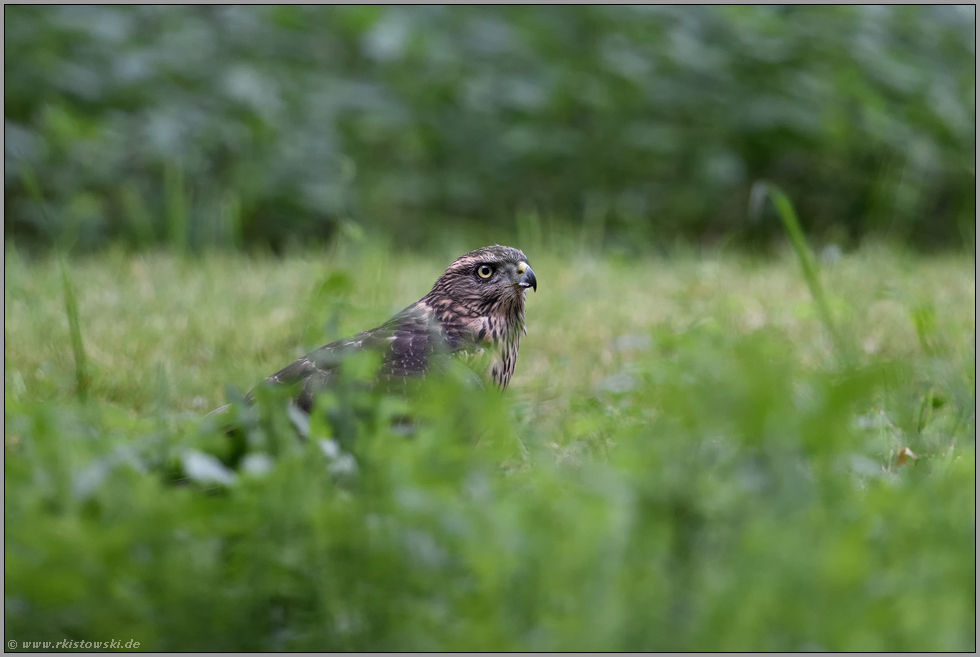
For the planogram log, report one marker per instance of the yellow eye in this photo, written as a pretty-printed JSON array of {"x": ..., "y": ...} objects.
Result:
[{"x": 485, "y": 271}]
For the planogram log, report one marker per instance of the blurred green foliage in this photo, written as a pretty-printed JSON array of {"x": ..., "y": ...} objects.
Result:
[
  {"x": 225, "y": 125},
  {"x": 732, "y": 501}
]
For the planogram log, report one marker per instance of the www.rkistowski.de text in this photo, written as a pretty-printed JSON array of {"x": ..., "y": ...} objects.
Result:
[{"x": 70, "y": 644}]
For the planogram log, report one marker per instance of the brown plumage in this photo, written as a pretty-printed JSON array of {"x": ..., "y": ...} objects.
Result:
[{"x": 476, "y": 305}]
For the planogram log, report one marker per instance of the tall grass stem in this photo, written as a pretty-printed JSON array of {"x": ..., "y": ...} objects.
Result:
[
  {"x": 811, "y": 273},
  {"x": 75, "y": 331},
  {"x": 71, "y": 302}
]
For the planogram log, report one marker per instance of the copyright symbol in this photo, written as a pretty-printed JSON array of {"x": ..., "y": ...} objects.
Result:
[{"x": 12, "y": 645}]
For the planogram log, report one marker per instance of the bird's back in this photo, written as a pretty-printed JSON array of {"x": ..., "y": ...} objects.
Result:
[{"x": 405, "y": 343}]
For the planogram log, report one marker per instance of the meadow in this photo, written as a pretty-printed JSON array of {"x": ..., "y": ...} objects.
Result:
[{"x": 687, "y": 457}]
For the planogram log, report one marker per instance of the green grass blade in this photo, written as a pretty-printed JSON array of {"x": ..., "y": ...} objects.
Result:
[
  {"x": 811, "y": 273},
  {"x": 74, "y": 329},
  {"x": 71, "y": 303}
]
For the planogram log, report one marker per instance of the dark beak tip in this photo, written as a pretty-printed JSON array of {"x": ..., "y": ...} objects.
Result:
[{"x": 529, "y": 280}]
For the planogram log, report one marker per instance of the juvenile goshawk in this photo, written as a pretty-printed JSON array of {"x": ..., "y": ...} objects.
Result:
[{"x": 477, "y": 305}]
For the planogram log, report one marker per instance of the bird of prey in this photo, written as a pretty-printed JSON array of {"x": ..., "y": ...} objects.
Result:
[{"x": 476, "y": 306}]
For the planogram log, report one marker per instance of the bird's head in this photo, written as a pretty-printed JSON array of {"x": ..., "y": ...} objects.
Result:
[{"x": 486, "y": 283}]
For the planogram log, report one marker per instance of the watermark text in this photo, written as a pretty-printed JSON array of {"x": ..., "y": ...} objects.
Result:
[{"x": 74, "y": 644}]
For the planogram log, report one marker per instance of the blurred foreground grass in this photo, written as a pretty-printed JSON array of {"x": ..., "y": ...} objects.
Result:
[{"x": 682, "y": 462}]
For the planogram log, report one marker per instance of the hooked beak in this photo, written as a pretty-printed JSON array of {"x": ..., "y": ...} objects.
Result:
[{"x": 527, "y": 279}]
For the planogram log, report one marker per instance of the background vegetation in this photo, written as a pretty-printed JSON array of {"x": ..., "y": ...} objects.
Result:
[
  {"x": 211, "y": 125},
  {"x": 704, "y": 447}
]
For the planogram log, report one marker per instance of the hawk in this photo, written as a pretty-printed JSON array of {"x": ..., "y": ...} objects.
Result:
[{"x": 476, "y": 306}]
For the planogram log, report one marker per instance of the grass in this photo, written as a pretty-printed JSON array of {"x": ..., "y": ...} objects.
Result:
[{"x": 683, "y": 460}]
